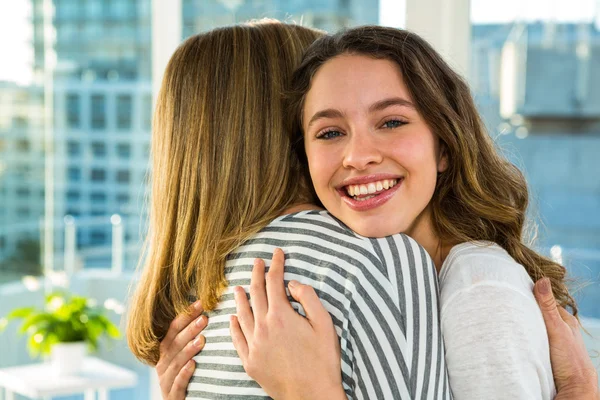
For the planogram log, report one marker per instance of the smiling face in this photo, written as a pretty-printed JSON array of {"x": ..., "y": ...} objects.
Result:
[{"x": 373, "y": 160}]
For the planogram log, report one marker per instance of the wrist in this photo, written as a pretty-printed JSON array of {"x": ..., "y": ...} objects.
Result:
[
  {"x": 331, "y": 393},
  {"x": 581, "y": 392}
]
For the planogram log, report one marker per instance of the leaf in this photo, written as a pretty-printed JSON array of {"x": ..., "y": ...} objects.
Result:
[
  {"x": 39, "y": 320},
  {"x": 20, "y": 313}
]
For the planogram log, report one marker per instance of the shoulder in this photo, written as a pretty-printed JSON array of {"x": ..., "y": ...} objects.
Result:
[{"x": 482, "y": 263}]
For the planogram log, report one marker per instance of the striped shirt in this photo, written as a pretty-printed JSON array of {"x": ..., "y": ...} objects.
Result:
[{"x": 381, "y": 294}]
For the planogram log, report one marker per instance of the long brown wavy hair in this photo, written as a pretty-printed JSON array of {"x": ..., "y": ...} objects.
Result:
[
  {"x": 221, "y": 167},
  {"x": 481, "y": 196}
]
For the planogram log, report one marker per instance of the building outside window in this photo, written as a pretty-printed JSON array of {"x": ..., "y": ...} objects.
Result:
[
  {"x": 22, "y": 145},
  {"x": 74, "y": 174},
  {"x": 73, "y": 148},
  {"x": 98, "y": 112},
  {"x": 98, "y": 197},
  {"x": 97, "y": 175},
  {"x": 73, "y": 109},
  {"x": 123, "y": 176},
  {"x": 73, "y": 195},
  {"x": 124, "y": 108},
  {"x": 122, "y": 198},
  {"x": 124, "y": 150},
  {"x": 99, "y": 149}
]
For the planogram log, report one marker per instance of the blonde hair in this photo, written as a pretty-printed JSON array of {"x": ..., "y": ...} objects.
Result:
[
  {"x": 481, "y": 196},
  {"x": 221, "y": 167}
]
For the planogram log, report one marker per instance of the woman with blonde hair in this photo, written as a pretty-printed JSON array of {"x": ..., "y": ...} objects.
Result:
[{"x": 226, "y": 189}]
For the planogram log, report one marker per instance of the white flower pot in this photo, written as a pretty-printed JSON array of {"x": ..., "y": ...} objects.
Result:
[{"x": 67, "y": 358}]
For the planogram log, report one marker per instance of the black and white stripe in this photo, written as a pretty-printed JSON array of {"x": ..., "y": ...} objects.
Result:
[{"x": 382, "y": 296}]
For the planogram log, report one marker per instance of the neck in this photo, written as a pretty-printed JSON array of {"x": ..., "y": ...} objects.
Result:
[
  {"x": 300, "y": 207},
  {"x": 422, "y": 231}
]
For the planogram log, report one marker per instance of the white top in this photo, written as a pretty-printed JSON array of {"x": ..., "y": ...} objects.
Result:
[
  {"x": 494, "y": 332},
  {"x": 38, "y": 380}
]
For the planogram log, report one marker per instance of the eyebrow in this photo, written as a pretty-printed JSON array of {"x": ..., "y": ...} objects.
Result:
[
  {"x": 378, "y": 106},
  {"x": 392, "y": 101}
]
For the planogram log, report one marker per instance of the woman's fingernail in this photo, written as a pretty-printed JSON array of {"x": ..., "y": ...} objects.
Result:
[
  {"x": 293, "y": 284},
  {"x": 200, "y": 321},
  {"x": 198, "y": 341},
  {"x": 190, "y": 364},
  {"x": 544, "y": 286},
  {"x": 198, "y": 305}
]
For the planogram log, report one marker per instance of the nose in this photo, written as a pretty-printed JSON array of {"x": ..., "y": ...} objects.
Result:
[{"x": 362, "y": 151}]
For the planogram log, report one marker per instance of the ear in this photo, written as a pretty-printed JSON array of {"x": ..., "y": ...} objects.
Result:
[{"x": 442, "y": 164}]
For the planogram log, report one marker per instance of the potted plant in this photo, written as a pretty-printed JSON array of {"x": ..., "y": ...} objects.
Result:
[{"x": 66, "y": 327}]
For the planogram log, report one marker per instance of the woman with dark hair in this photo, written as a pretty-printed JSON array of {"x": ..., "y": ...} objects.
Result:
[
  {"x": 382, "y": 159},
  {"x": 393, "y": 142}
]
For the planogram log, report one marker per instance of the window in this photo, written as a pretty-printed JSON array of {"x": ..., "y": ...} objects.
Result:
[
  {"x": 97, "y": 212},
  {"x": 147, "y": 112},
  {"x": 98, "y": 112},
  {"x": 97, "y": 237},
  {"x": 22, "y": 145},
  {"x": 73, "y": 110},
  {"x": 97, "y": 197},
  {"x": 123, "y": 150},
  {"x": 74, "y": 174},
  {"x": 73, "y": 195},
  {"x": 73, "y": 148},
  {"x": 20, "y": 122},
  {"x": 124, "y": 109},
  {"x": 23, "y": 212},
  {"x": 75, "y": 213},
  {"x": 98, "y": 175},
  {"x": 23, "y": 192},
  {"x": 123, "y": 176},
  {"x": 98, "y": 149},
  {"x": 122, "y": 198}
]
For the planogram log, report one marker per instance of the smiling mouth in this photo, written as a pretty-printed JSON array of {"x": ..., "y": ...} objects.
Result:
[{"x": 370, "y": 190}]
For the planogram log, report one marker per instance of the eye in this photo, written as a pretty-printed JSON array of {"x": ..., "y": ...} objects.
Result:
[
  {"x": 329, "y": 134},
  {"x": 393, "y": 123}
]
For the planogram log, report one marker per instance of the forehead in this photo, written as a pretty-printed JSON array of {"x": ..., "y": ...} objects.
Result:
[{"x": 352, "y": 80}]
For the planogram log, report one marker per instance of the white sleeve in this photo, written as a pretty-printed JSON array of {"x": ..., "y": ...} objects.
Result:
[{"x": 496, "y": 344}]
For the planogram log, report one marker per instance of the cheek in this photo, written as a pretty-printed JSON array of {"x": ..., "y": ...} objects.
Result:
[
  {"x": 317, "y": 165},
  {"x": 417, "y": 154}
]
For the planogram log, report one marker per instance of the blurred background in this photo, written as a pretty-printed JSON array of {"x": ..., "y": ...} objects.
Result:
[{"x": 77, "y": 80}]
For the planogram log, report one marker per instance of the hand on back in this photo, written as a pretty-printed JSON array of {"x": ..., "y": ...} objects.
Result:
[
  {"x": 290, "y": 356},
  {"x": 574, "y": 374},
  {"x": 183, "y": 341}
]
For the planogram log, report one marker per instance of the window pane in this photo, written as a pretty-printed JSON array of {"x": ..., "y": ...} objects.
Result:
[
  {"x": 98, "y": 112},
  {"x": 533, "y": 73},
  {"x": 73, "y": 109},
  {"x": 124, "y": 107}
]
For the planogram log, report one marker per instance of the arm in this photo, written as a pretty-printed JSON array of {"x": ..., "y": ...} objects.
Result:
[
  {"x": 496, "y": 344},
  {"x": 574, "y": 374}
]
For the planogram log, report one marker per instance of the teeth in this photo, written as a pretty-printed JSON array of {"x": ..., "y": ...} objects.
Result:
[
  {"x": 370, "y": 188},
  {"x": 364, "y": 198}
]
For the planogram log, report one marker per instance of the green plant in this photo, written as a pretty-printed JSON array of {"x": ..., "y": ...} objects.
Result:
[{"x": 64, "y": 319}]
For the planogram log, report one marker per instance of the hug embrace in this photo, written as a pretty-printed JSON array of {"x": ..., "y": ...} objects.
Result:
[{"x": 397, "y": 266}]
